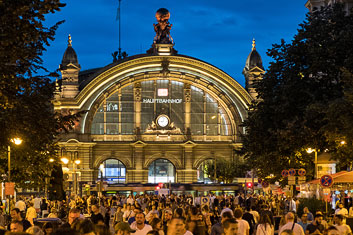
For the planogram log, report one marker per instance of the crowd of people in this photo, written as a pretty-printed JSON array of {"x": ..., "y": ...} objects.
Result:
[{"x": 168, "y": 215}]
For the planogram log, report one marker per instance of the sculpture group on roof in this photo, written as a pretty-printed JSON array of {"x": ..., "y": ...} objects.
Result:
[{"x": 163, "y": 27}]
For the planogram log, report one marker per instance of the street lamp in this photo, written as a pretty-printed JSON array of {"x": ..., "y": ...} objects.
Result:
[
  {"x": 310, "y": 150},
  {"x": 16, "y": 141},
  {"x": 74, "y": 175}
]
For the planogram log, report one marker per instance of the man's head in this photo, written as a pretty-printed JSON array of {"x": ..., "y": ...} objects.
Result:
[
  {"x": 238, "y": 213},
  {"x": 94, "y": 208},
  {"x": 140, "y": 218},
  {"x": 226, "y": 215},
  {"x": 168, "y": 214},
  {"x": 340, "y": 205},
  {"x": 318, "y": 218},
  {"x": 16, "y": 214},
  {"x": 74, "y": 214},
  {"x": 177, "y": 227},
  {"x": 289, "y": 217},
  {"x": 304, "y": 217},
  {"x": 230, "y": 226},
  {"x": 123, "y": 228},
  {"x": 339, "y": 219},
  {"x": 306, "y": 210},
  {"x": 137, "y": 210},
  {"x": 16, "y": 226}
]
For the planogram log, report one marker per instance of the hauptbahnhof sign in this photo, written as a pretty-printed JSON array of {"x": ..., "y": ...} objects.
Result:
[{"x": 162, "y": 101}]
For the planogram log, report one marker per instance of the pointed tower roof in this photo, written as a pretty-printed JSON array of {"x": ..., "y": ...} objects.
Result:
[
  {"x": 254, "y": 58},
  {"x": 70, "y": 56}
]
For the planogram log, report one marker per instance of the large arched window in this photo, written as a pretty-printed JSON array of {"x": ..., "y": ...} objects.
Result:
[
  {"x": 161, "y": 171},
  {"x": 116, "y": 116},
  {"x": 202, "y": 171},
  {"x": 207, "y": 116},
  {"x": 113, "y": 171}
]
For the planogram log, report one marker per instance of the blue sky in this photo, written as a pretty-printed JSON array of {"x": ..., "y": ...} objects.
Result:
[{"x": 218, "y": 32}]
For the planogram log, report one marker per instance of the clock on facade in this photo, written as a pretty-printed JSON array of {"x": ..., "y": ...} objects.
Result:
[{"x": 162, "y": 120}]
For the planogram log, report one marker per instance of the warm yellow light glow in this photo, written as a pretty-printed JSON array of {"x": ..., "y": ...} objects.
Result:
[
  {"x": 101, "y": 167},
  {"x": 310, "y": 150},
  {"x": 78, "y": 161},
  {"x": 343, "y": 142},
  {"x": 64, "y": 160},
  {"x": 16, "y": 141},
  {"x": 213, "y": 117},
  {"x": 51, "y": 159}
]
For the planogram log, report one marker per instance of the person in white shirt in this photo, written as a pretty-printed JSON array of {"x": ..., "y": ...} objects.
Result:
[
  {"x": 36, "y": 203},
  {"x": 243, "y": 225},
  {"x": 227, "y": 208},
  {"x": 290, "y": 225},
  {"x": 292, "y": 206},
  {"x": 20, "y": 204},
  {"x": 344, "y": 229},
  {"x": 139, "y": 225},
  {"x": 255, "y": 214},
  {"x": 341, "y": 210},
  {"x": 31, "y": 213},
  {"x": 130, "y": 200},
  {"x": 265, "y": 226},
  {"x": 128, "y": 213}
]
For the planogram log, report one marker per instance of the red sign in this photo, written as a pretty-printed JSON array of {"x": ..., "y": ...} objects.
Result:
[
  {"x": 284, "y": 173},
  {"x": 292, "y": 172},
  {"x": 326, "y": 181},
  {"x": 301, "y": 172},
  {"x": 9, "y": 188}
]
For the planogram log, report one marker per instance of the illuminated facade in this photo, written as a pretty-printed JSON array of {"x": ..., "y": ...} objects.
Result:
[{"x": 151, "y": 118}]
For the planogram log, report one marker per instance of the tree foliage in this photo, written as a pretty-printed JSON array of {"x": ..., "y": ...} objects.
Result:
[
  {"x": 305, "y": 99},
  {"x": 26, "y": 110},
  {"x": 226, "y": 170}
]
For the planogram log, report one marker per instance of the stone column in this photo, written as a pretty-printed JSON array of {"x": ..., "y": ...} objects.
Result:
[
  {"x": 187, "y": 109},
  {"x": 137, "y": 99},
  {"x": 137, "y": 174},
  {"x": 188, "y": 174}
]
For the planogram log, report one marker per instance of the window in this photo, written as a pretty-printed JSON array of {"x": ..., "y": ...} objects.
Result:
[
  {"x": 161, "y": 171},
  {"x": 113, "y": 171}
]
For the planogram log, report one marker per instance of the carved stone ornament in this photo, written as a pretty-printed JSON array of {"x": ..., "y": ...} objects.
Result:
[{"x": 153, "y": 128}]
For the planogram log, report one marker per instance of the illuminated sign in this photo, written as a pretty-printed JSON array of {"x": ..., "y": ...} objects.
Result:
[
  {"x": 162, "y": 101},
  {"x": 162, "y": 92}
]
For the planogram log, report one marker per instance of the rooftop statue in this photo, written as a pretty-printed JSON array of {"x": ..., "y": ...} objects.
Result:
[{"x": 163, "y": 27}]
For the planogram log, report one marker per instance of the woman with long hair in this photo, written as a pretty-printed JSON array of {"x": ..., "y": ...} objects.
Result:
[{"x": 265, "y": 226}]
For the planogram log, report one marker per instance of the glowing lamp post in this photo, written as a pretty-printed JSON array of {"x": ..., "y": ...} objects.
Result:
[
  {"x": 16, "y": 141},
  {"x": 310, "y": 150},
  {"x": 74, "y": 175}
]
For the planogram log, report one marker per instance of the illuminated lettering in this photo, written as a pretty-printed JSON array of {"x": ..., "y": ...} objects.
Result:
[{"x": 162, "y": 101}]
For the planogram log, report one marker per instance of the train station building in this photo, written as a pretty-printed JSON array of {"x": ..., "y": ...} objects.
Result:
[{"x": 152, "y": 118}]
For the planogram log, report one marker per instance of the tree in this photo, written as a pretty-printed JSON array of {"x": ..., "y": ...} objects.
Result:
[
  {"x": 226, "y": 170},
  {"x": 25, "y": 97},
  {"x": 298, "y": 97}
]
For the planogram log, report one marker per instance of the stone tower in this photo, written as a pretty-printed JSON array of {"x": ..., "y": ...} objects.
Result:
[
  {"x": 313, "y": 5},
  {"x": 253, "y": 71},
  {"x": 69, "y": 69}
]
